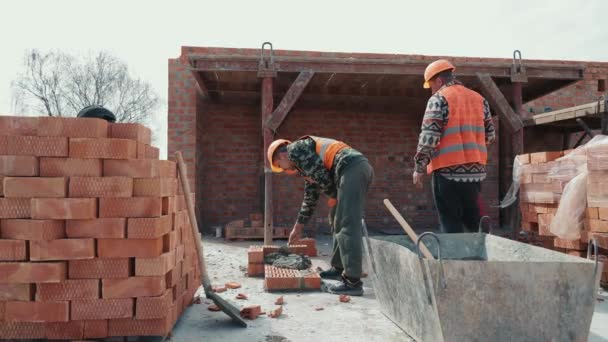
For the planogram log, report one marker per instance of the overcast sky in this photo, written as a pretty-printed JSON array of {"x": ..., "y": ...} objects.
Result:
[{"x": 146, "y": 33}]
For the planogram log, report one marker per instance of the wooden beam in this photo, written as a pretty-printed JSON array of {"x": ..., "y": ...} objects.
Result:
[
  {"x": 291, "y": 96},
  {"x": 200, "y": 83},
  {"x": 267, "y": 106},
  {"x": 498, "y": 101},
  {"x": 403, "y": 66}
]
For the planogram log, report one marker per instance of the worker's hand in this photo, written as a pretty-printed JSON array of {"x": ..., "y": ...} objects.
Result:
[
  {"x": 417, "y": 178},
  {"x": 296, "y": 234}
]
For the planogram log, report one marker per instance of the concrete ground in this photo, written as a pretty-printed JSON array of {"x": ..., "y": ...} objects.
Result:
[{"x": 359, "y": 320}]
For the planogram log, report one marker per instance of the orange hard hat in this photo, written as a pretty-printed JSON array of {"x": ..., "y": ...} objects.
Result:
[
  {"x": 434, "y": 68},
  {"x": 272, "y": 148}
]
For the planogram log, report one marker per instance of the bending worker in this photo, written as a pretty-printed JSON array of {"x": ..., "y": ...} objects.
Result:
[
  {"x": 344, "y": 175},
  {"x": 456, "y": 129}
]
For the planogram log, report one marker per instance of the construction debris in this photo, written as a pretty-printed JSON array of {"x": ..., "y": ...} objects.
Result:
[
  {"x": 233, "y": 285},
  {"x": 279, "y": 301},
  {"x": 241, "y": 296},
  {"x": 251, "y": 312},
  {"x": 344, "y": 298},
  {"x": 213, "y": 307},
  {"x": 219, "y": 289},
  {"x": 284, "y": 258},
  {"x": 276, "y": 312}
]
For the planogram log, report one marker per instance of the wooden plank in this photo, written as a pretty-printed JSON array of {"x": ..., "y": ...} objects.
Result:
[
  {"x": 267, "y": 106},
  {"x": 569, "y": 113},
  {"x": 499, "y": 103},
  {"x": 200, "y": 83},
  {"x": 289, "y": 99}
]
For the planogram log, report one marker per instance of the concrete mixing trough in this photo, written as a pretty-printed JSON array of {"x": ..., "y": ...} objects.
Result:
[{"x": 485, "y": 288}]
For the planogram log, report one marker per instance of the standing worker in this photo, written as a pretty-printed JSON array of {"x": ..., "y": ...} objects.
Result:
[
  {"x": 344, "y": 175},
  {"x": 456, "y": 129}
]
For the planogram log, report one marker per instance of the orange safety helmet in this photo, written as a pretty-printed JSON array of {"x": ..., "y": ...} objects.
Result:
[
  {"x": 272, "y": 148},
  {"x": 435, "y": 68}
]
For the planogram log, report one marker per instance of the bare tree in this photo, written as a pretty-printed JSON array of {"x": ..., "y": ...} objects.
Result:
[{"x": 58, "y": 84}]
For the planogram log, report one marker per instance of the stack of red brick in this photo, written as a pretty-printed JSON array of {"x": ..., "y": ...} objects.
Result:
[
  {"x": 276, "y": 278},
  {"x": 540, "y": 199},
  {"x": 94, "y": 237},
  {"x": 239, "y": 230}
]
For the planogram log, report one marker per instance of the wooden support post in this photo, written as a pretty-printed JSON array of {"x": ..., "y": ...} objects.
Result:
[
  {"x": 267, "y": 106},
  {"x": 517, "y": 147},
  {"x": 499, "y": 103}
]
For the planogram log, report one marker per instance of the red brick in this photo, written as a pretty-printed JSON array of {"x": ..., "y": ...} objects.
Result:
[
  {"x": 130, "y": 207},
  {"x": 19, "y": 166},
  {"x": 15, "y": 208},
  {"x": 180, "y": 203},
  {"x": 158, "y": 266},
  {"x": 603, "y": 214},
  {"x": 169, "y": 205},
  {"x": 68, "y": 290},
  {"x": 141, "y": 151},
  {"x": 28, "y": 187},
  {"x": 129, "y": 248},
  {"x": 312, "y": 281},
  {"x": 72, "y": 127},
  {"x": 544, "y": 223},
  {"x": 32, "y": 229},
  {"x": 12, "y": 250},
  {"x": 140, "y": 168},
  {"x": 597, "y": 226},
  {"x": 101, "y": 148},
  {"x": 170, "y": 241},
  {"x": 154, "y": 307},
  {"x": 154, "y": 187},
  {"x": 70, "y": 167},
  {"x": 131, "y": 131},
  {"x": 103, "y": 228},
  {"x": 133, "y": 287},
  {"x": 63, "y": 249},
  {"x": 29, "y": 272},
  {"x": 311, "y": 246},
  {"x": 255, "y": 270},
  {"x": 251, "y": 312},
  {"x": 22, "y": 330},
  {"x": 97, "y": 309},
  {"x": 89, "y": 187},
  {"x": 172, "y": 277},
  {"x": 567, "y": 244},
  {"x": 16, "y": 292},
  {"x": 34, "y": 146},
  {"x": 143, "y": 327},
  {"x": 180, "y": 252},
  {"x": 96, "y": 328},
  {"x": 281, "y": 279},
  {"x": 37, "y": 311},
  {"x": 18, "y": 125},
  {"x": 149, "y": 228},
  {"x": 64, "y": 208},
  {"x": 73, "y": 330},
  {"x": 152, "y": 152},
  {"x": 255, "y": 255},
  {"x": 592, "y": 213},
  {"x": 99, "y": 268}
]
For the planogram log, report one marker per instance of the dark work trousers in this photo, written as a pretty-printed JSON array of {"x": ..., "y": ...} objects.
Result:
[
  {"x": 457, "y": 204},
  {"x": 345, "y": 218}
]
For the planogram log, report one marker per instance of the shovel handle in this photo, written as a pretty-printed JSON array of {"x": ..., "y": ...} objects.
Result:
[{"x": 410, "y": 232}]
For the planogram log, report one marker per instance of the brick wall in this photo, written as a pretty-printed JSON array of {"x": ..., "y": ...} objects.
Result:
[{"x": 229, "y": 150}]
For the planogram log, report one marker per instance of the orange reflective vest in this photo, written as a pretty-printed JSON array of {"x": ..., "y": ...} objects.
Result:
[
  {"x": 327, "y": 149},
  {"x": 463, "y": 140}
]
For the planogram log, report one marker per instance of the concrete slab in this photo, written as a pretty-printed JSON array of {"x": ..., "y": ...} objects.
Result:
[{"x": 359, "y": 320}]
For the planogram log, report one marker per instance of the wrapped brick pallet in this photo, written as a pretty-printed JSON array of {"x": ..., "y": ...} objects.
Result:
[{"x": 94, "y": 236}]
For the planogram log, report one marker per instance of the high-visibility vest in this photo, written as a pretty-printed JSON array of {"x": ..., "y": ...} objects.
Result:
[
  {"x": 463, "y": 140},
  {"x": 327, "y": 149}
]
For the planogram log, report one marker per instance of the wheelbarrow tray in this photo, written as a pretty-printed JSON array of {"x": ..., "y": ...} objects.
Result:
[{"x": 485, "y": 288}]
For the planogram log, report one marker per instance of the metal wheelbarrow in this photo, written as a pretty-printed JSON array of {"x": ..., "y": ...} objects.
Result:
[{"x": 482, "y": 287}]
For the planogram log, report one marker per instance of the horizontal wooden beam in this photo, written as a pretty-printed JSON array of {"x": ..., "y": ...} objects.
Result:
[
  {"x": 377, "y": 66},
  {"x": 290, "y": 98},
  {"x": 498, "y": 101}
]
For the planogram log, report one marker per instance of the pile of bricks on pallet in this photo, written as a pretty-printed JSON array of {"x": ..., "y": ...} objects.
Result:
[
  {"x": 94, "y": 237},
  {"x": 276, "y": 278},
  {"x": 239, "y": 230},
  {"x": 537, "y": 217}
]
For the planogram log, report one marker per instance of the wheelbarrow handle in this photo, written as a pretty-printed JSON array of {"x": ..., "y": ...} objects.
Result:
[{"x": 407, "y": 228}]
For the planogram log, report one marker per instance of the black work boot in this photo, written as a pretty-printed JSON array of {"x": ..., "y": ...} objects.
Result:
[
  {"x": 348, "y": 286},
  {"x": 332, "y": 273}
]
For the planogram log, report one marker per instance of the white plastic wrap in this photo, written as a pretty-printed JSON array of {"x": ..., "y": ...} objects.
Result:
[
  {"x": 572, "y": 168},
  {"x": 511, "y": 195}
]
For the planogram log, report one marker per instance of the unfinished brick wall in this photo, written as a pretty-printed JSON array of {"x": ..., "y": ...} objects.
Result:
[
  {"x": 95, "y": 240},
  {"x": 228, "y": 157}
]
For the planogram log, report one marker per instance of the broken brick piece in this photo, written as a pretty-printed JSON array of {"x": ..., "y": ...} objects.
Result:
[
  {"x": 319, "y": 308},
  {"x": 279, "y": 301},
  {"x": 219, "y": 289},
  {"x": 213, "y": 307},
  {"x": 276, "y": 312},
  {"x": 251, "y": 312},
  {"x": 241, "y": 296},
  {"x": 233, "y": 285},
  {"x": 344, "y": 299}
]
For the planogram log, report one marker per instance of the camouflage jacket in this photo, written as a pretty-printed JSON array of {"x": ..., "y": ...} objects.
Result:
[{"x": 318, "y": 178}]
